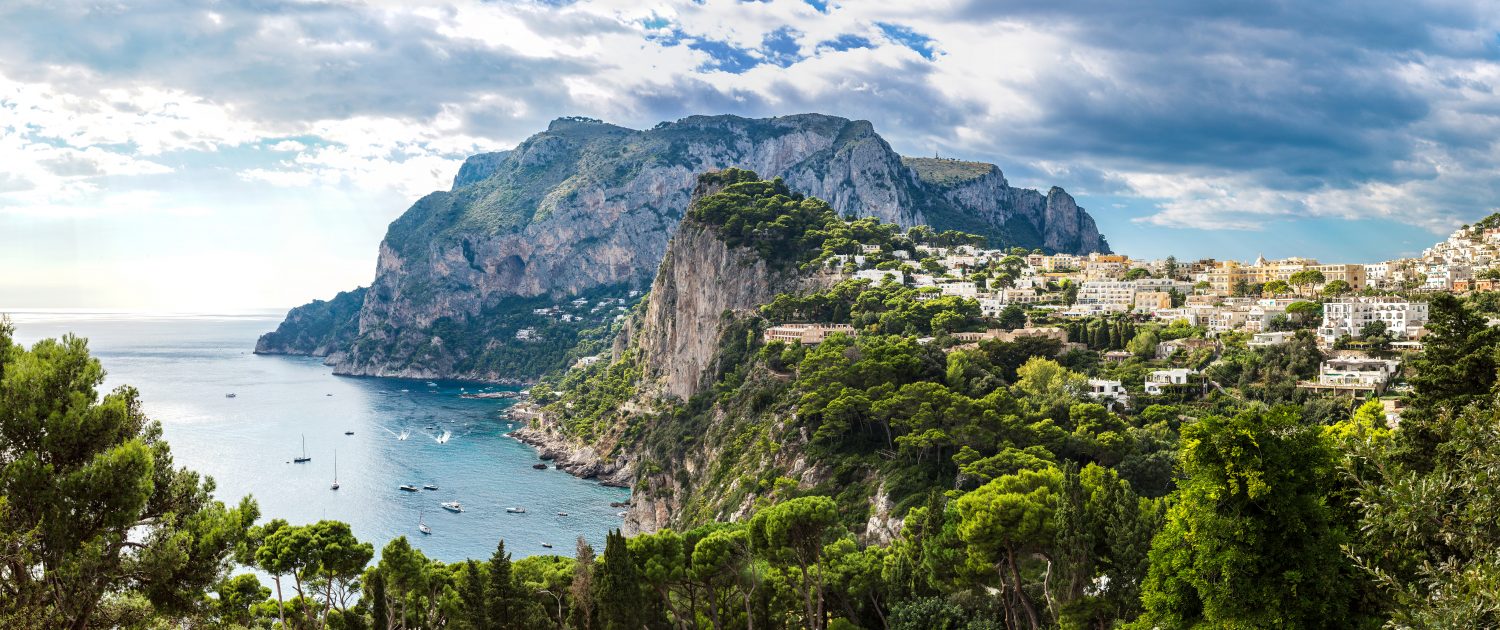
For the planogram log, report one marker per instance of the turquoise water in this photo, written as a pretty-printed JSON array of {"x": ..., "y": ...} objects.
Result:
[{"x": 184, "y": 366}]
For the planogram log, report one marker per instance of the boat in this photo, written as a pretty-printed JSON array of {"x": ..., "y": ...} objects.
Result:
[
  {"x": 453, "y": 506},
  {"x": 348, "y": 433},
  {"x": 562, "y": 513},
  {"x": 335, "y": 470},
  {"x": 539, "y": 466},
  {"x": 516, "y": 510},
  {"x": 327, "y": 394},
  {"x": 422, "y": 525},
  {"x": 621, "y": 514},
  {"x": 547, "y": 545},
  {"x": 229, "y": 395},
  {"x": 431, "y": 384},
  {"x": 407, "y": 488},
  {"x": 304, "y": 458},
  {"x": 429, "y": 486}
]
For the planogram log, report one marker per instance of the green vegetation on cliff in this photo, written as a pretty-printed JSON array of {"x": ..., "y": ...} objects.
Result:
[{"x": 316, "y": 328}]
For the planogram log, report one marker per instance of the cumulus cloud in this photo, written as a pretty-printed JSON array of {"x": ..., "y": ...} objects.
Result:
[{"x": 1221, "y": 115}]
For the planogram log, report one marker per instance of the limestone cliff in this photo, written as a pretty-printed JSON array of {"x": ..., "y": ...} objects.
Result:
[
  {"x": 678, "y": 451},
  {"x": 587, "y": 205}
]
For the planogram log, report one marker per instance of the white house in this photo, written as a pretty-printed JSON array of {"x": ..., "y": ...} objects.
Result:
[
  {"x": 960, "y": 289},
  {"x": 1159, "y": 381},
  {"x": 1268, "y": 339},
  {"x": 877, "y": 276},
  {"x": 1355, "y": 375},
  {"x": 1110, "y": 391}
]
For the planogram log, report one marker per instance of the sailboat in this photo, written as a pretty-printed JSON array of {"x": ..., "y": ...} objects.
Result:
[
  {"x": 422, "y": 525},
  {"x": 335, "y": 470},
  {"x": 304, "y": 458}
]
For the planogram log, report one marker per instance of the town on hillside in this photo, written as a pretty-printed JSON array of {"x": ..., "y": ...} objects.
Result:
[{"x": 1364, "y": 318}]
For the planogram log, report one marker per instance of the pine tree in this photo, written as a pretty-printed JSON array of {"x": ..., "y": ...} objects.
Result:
[{"x": 90, "y": 503}]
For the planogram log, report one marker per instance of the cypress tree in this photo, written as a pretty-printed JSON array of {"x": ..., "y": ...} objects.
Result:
[
  {"x": 617, "y": 587},
  {"x": 506, "y": 601},
  {"x": 475, "y": 596}
]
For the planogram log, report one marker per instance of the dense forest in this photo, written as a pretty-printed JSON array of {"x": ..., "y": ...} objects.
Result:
[{"x": 1237, "y": 502}]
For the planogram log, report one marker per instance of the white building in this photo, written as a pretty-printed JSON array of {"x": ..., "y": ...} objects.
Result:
[
  {"x": 1268, "y": 339},
  {"x": 877, "y": 276},
  {"x": 1159, "y": 381},
  {"x": 1109, "y": 391},
  {"x": 1354, "y": 375},
  {"x": 960, "y": 289},
  {"x": 1403, "y": 319},
  {"x": 1114, "y": 293}
]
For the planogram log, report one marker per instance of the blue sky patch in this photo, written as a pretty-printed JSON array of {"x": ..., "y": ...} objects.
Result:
[
  {"x": 909, "y": 38},
  {"x": 781, "y": 48},
  {"x": 725, "y": 56},
  {"x": 847, "y": 41}
]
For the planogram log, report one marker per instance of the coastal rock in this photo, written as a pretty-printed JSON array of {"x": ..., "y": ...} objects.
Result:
[{"x": 578, "y": 460}]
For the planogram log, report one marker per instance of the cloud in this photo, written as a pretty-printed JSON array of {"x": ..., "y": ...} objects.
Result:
[{"x": 1222, "y": 115}]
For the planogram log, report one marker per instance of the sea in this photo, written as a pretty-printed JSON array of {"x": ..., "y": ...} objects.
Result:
[{"x": 403, "y": 432}]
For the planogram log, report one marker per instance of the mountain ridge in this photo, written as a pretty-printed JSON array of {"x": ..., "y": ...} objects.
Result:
[{"x": 587, "y": 206}]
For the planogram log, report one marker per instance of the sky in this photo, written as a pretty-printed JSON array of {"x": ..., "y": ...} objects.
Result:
[{"x": 201, "y": 156}]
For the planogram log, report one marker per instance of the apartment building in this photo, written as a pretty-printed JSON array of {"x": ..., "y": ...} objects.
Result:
[{"x": 1403, "y": 319}]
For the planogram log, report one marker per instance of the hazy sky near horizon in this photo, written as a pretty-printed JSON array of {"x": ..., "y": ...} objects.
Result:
[{"x": 223, "y": 155}]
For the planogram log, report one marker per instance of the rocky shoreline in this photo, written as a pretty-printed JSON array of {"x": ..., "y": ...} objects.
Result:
[{"x": 581, "y": 462}]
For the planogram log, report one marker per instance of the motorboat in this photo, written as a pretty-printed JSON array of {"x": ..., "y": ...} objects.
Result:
[
  {"x": 562, "y": 513},
  {"x": 516, "y": 510},
  {"x": 229, "y": 395},
  {"x": 429, "y": 486},
  {"x": 547, "y": 545},
  {"x": 348, "y": 433},
  {"x": 408, "y": 488},
  {"x": 622, "y": 514},
  {"x": 453, "y": 506}
]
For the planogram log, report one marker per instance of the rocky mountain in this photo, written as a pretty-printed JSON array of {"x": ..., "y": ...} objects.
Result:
[
  {"x": 588, "y": 207},
  {"x": 701, "y": 299}
]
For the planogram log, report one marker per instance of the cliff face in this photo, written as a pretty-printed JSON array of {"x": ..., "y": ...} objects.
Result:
[
  {"x": 701, "y": 300},
  {"x": 586, "y": 205},
  {"x": 703, "y": 284}
]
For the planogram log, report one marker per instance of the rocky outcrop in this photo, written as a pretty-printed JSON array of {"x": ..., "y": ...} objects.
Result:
[
  {"x": 317, "y": 329},
  {"x": 975, "y": 197},
  {"x": 586, "y": 204},
  {"x": 701, "y": 283},
  {"x": 579, "y": 461}
]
